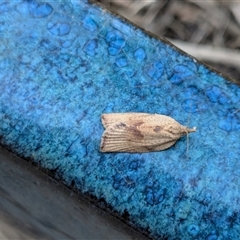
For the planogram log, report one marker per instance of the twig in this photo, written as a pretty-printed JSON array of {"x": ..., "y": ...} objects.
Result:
[{"x": 210, "y": 53}]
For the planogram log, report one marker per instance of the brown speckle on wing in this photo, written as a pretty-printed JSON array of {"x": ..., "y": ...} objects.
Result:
[{"x": 140, "y": 132}]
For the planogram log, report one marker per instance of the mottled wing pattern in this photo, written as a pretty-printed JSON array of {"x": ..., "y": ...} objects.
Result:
[
  {"x": 137, "y": 132},
  {"x": 109, "y": 119},
  {"x": 135, "y": 118}
]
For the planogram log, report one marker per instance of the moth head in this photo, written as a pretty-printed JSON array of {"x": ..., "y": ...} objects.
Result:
[
  {"x": 187, "y": 130},
  {"x": 180, "y": 130}
]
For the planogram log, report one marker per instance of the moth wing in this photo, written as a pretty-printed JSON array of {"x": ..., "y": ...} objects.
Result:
[
  {"x": 163, "y": 146},
  {"x": 139, "y": 132},
  {"x": 124, "y": 138},
  {"x": 156, "y": 137},
  {"x": 109, "y": 119},
  {"x": 117, "y": 138}
]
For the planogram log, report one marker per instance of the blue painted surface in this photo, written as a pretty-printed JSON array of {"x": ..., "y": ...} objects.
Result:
[{"x": 63, "y": 64}]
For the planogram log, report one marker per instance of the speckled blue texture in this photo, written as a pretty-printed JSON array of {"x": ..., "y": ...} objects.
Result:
[{"x": 64, "y": 63}]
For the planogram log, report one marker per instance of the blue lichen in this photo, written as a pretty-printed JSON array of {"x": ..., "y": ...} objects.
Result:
[
  {"x": 71, "y": 61},
  {"x": 193, "y": 230},
  {"x": 39, "y": 10},
  {"x": 59, "y": 29},
  {"x": 89, "y": 24}
]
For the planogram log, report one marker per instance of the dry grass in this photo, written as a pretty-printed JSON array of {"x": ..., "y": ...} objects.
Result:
[{"x": 208, "y": 30}]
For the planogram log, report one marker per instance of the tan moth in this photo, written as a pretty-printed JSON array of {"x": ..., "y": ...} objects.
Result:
[{"x": 140, "y": 132}]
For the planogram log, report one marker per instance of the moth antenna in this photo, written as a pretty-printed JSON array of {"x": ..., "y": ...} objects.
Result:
[
  {"x": 187, "y": 140},
  {"x": 236, "y": 111},
  {"x": 187, "y": 146}
]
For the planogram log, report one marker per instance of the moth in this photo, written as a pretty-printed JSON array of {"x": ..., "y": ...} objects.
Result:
[{"x": 140, "y": 132}]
